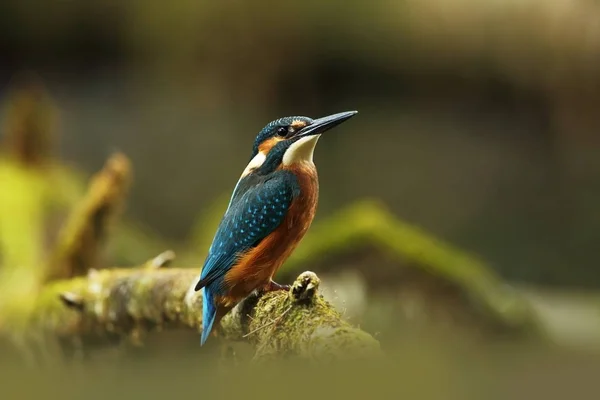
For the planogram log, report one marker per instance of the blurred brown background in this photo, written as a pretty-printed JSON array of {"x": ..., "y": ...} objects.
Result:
[{"x": 477, "y": 118}]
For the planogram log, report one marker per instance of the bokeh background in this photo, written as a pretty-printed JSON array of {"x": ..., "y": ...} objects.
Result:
[{"x": 477, "y": 120}]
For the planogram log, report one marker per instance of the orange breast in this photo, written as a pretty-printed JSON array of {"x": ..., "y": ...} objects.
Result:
[{"x": 257, "y": 267}]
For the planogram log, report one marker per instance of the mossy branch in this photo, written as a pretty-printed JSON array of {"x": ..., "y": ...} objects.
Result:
[
  {"x": 130, "y": 302},
  {"x": 369, "y": 223},
  {"x": 84, "y": 233},
  {"x": 299, "y": 322}
]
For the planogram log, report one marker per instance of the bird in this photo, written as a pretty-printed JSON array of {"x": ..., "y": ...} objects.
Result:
[{"x": 269, "y": 212}]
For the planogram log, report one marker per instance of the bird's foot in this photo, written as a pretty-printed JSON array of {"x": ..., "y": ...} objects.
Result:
[{"x": 274, "y": 286}]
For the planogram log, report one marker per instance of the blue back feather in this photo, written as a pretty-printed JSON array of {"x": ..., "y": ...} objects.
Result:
[{"x": 258, "y": 206}]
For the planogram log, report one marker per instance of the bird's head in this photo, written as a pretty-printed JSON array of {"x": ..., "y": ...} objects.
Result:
[{"x": 290, "y": 140}]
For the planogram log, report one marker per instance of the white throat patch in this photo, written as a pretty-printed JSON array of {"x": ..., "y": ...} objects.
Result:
[
  {"x": 256, "y": 162},
  {"x": 301, "y": 150}
]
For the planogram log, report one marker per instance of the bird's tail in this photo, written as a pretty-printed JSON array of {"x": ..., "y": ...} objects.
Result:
[{"x": 209, "y": 312}]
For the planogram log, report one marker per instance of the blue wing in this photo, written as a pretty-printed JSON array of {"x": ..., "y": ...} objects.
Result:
[{"x": 257, "y": 207}]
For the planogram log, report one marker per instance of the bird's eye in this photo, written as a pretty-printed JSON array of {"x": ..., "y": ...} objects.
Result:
[{"x": 282, "y": 131}]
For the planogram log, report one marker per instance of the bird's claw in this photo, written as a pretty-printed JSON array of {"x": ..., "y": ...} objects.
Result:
[{"x": 274, "y": 286}]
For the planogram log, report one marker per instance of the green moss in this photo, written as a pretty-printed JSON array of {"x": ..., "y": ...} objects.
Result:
[
  {"x": 369, "y": 223},
  {"x": 311, "y": 330},
  {"x": 128, "y": 302}
]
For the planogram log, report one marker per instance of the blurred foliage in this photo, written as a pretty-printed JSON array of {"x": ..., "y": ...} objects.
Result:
[
  {"x": 484, "y": 111},
  {"x": 132, "y": 241},
  {"x": 32, "y": 182},
  {"x": 25, "y": 203},
  {"x": 478, "y": 123},
  {"x": 33, "y": 188},
  {"x": 417, "y": 367},
  {"x": 368, "y": 225},
  {"x": 82, "y": 238}
]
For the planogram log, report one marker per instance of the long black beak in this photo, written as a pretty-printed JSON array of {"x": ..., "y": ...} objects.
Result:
[{"x": 324, "y": 124}]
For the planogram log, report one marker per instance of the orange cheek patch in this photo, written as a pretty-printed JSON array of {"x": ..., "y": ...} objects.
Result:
[{"x": 268, "y": 144}]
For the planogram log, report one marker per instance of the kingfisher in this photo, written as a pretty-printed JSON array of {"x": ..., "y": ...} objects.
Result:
[{"x": 271, "y": 209}]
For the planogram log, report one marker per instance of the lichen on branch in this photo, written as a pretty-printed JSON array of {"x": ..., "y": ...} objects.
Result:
[
  {"x": 127, "y": 303},
  {"x": 299, "y": 323}
]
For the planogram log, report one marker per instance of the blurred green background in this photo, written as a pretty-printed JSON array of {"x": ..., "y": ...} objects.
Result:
[{"x": 477, "y": 119}]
